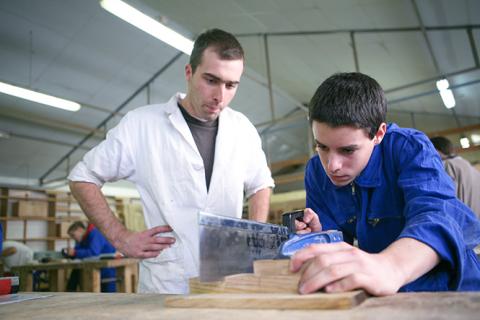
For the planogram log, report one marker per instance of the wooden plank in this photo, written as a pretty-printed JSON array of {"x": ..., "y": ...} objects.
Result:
[
  {"x": 278, "y": 301},
  {"x": 90, "y": 279},
  {"x": 288, "y": 178},
  {"x": 57, "y": 280},
  {"x": 289, "y": 163},
  {"x": 127, "y": 276},
  {"x": 272, "y": 267},
  {"x": 248, "y": 283},
  {"x": 270, "y": 276}
]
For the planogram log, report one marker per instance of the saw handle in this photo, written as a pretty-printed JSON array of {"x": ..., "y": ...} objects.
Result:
[{"x": 288, "y": 220}]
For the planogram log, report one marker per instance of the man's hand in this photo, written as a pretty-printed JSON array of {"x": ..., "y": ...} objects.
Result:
[
  {"x": 70, "y": 252},
  {"x": 144, "y": 244},
  {"x": 339, "y": 267},
  {"x": 310, "y": 222}
]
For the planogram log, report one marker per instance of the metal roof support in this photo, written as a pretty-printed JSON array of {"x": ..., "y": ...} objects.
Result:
[
  {"x": 269, "y": 76},
  {"x": 355, "y": 54},
  {"x": 421, "y": 94},
  {"x": 412, "y": 116},
  {"x": 51, "y": 141},
  {"x": 471, "y": 39},
  {"x": 416, "y": 83},
  {"x": 377, "y": 30},
  {"x": 425, "y": 113},
  {"x": 110, "y": 116},
  {"x": 432, "y": 54},
  {"x": 425, "y": 36}
]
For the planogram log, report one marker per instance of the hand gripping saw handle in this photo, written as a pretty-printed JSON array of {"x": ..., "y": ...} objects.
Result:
[{"x": 296, "y": 242}]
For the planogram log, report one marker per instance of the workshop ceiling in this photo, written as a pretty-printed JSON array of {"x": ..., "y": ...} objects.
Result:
[{"x": 78, "y": 51}]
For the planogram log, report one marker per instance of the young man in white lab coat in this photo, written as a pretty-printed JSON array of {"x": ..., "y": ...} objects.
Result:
[{"x": 191, "y": 154}]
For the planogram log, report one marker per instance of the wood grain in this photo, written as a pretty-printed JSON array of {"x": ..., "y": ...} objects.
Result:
[
  {"x": 278, "y": 301},
  {"x": 248, "y": 283},
  {"x": 271, "y": 286},
  {"x": 272, "y": 267}
]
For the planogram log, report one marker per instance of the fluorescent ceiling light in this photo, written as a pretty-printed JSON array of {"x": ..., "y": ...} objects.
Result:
[
  {"x": 39, "y": 97},
  {"x": 4, "y": 134},
  {"x": 464, "y": 142},
  {"x": 475, "y": 138},
  {"x": 147, "y": 24},
  {"x": 446, "y": 94}
]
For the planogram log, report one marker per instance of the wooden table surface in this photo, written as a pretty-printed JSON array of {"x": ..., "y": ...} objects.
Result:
[{"x": 412, "y": 306}]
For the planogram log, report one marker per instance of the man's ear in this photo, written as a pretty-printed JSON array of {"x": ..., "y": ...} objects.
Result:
[
  {"x": 382, "y": 129},
  {"x": 188, "y": 72}
]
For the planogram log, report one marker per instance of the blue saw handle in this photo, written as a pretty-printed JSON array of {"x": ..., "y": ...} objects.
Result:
[{"x": 300, "y": 241}]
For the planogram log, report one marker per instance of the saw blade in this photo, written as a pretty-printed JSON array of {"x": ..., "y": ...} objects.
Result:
[{"x": 229, "y": 245}]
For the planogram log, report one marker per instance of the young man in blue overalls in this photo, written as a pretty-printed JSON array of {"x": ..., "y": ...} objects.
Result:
[{"x": 386, "y": 187}]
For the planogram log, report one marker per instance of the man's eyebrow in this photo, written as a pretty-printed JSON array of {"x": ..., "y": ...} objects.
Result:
[
  {"x": 352, "y": 146},
  {"x": 219, "y": 79}
]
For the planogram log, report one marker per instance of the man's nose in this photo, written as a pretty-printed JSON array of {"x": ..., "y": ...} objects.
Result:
[
  {"x": 334, "y": 163},
  {"x": 219, "y": 93}
]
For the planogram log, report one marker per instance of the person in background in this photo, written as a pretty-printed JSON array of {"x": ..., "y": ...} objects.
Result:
[
  {"x": 386, "y": 187},
  {"x": 193, "y": 153},
  {"x": 465, "y": 176},
  {"x": 15, "y": 253},
  {"x": 90, "y": 242}
]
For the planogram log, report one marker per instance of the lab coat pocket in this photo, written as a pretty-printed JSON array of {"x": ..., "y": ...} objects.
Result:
[
  {"x": 168, "y": 265},
  {"x": 168, "y": 255}
]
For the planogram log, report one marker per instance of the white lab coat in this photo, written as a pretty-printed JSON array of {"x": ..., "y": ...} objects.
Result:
[
  {"x": 23, "y": 255},
  {"x": 153, "y": 147}
]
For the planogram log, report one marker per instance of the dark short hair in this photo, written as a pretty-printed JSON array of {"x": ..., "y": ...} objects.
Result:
[
  {"x": 223, "y": 43},
  {"x": 76, "y": 225},
  {"x": 349, "y": 99},
  {"x": 443, "y": 145}
]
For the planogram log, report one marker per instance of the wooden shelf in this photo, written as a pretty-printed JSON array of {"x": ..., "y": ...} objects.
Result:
[
  {"x": 61, "y": 210},
  {"x": 71, "y": 218},
  {"x": 37, "y": 239},
  {"x": 26, "y": 198},
  {"x": 67, "y": 209},
  {"x": 28, "y": 218}
]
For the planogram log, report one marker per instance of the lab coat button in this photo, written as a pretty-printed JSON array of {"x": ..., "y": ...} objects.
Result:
[{"x": 197, "y": 167}]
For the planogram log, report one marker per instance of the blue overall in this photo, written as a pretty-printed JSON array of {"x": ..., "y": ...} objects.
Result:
[
  {"x": 403, "y": 192},
  {"x": 93, "y": 244}
]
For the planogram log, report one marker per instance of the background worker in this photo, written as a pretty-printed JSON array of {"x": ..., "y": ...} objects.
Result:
[
  {"x": 15, "y": 253},
  {"x": 90, "y": 242},
  {"x": 464, "y": 175}
]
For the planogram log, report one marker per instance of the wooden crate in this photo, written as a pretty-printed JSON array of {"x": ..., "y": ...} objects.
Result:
[
  {"x": 30, "y": 208},
  {"x": 62, "y": 229}
]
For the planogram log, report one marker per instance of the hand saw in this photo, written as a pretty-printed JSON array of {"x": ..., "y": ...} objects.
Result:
[{"x": 229, "y": 245}]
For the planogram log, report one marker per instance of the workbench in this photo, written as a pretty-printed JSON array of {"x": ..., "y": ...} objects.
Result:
[
  {"x": 443, "y": 305},
  {"x": 127, "y": 272}
]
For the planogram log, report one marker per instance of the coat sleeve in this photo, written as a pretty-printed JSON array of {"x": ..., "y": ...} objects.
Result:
[
  {"x": 90, "y": 247},
  {"x": 111, "y": 160},
  {"x": 433, "y": 215}
]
